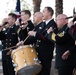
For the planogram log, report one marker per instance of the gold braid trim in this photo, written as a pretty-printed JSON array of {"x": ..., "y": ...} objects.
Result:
[
  {"x": 18, "y": 30},
  {"x": 53, "y": 36}
]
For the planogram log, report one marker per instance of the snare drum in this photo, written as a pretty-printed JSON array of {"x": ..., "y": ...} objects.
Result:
[{"x": 25, "y": 60}]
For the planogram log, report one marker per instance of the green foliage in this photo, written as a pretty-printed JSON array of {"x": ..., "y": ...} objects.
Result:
[{"x": 24, "y": 6}]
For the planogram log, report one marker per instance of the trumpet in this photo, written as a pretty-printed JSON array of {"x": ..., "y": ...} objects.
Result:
[
  {"x": 4, "y": 25},
  {"x": 74, "y": 16}
]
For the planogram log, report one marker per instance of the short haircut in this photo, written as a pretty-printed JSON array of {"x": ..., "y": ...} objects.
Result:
[
  {"x": 13, "y": 15},
  {"x": 49, "y": 9},
  {"x": 27, "y": 12}
]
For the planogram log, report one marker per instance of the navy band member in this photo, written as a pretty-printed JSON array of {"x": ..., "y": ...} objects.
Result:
[
  {"x": 63, "y": 42},
  {"x": 27, "y": 24},
  {"x": 9, "y": 38},
  {"x": 72, "y": 32},
  {"x": 44, "y": 46},
  {"x": 38, "y": 25}
]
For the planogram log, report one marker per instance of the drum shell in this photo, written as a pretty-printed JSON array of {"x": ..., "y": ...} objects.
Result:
[{"x": 25, "y": 56}]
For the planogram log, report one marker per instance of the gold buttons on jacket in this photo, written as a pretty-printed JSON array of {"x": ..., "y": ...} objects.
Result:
[
  {"x": 10, "y": 43},
  {"x": 39, "y": 40},
  {"x": 10, "y": 39},
  {"x": 40, "y": 27}
]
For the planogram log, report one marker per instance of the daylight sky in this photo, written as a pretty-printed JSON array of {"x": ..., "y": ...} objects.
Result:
[{"x": 68, "y": 6}]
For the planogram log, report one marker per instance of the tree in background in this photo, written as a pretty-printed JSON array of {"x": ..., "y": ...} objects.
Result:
[
  {"x": 36, "y": 4},
  {"x": 58, "y": 7},
  {"x": 34, "y": 7},
  {"x": 24, "y": 5}
]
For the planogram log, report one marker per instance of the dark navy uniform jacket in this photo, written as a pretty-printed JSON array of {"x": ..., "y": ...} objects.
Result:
[
  {"x": 9, "y": 38},
  {"x": 44, "y": 46},
  {"x": 63, "y": 42},
  {"x": 23, "y": 33}
]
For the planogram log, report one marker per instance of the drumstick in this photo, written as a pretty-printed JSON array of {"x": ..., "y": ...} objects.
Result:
[
  {"x": 9, "y": 48},
  {"x": 26, "y": 38}
]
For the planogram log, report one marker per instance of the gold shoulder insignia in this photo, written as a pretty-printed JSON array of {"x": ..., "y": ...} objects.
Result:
[{"x": 61, "y": 34}]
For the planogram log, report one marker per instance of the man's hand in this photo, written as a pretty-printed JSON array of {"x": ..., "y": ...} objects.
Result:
[
  {"x": 74, "y": 15},
  {"x": 17, "y": 22},
  {"x": 19, "y": 43},
  {"x": 49, "y": 30},
  {"x": 32, "y": 33},
  {"x": 71, "y": 23},
  {"x": 66, "y": 55}
]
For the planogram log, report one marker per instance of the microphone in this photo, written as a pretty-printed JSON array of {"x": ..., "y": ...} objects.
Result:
[
  {"x": 5, "y": 23},
  {"x": 21, "y": 23},
  {"x": 20, "y": 20},
  {"x": 69, "y": 17}
]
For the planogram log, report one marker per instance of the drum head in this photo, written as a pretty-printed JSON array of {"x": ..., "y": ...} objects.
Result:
[{"x": 30, "y": 70}]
